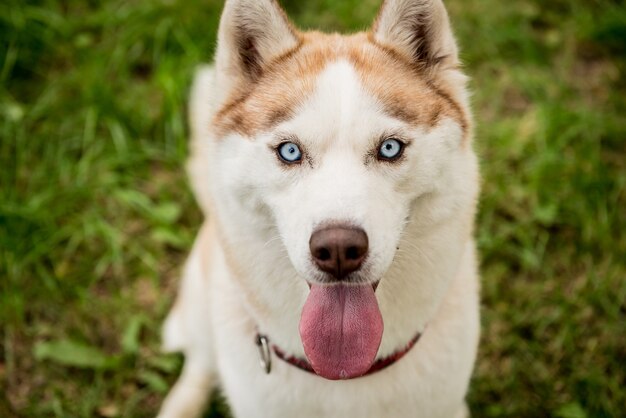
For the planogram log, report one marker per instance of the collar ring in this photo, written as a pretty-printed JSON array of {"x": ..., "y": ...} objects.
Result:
[{"x": 265, "y": 354}]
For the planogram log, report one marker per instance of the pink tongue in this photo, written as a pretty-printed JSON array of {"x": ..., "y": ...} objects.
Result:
[{"x": 341, "y": 328}]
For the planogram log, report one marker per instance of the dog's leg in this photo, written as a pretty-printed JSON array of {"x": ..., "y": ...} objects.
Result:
[
  {"x": 187, "y": 330},
  {"x": 190, "y": 395},
  {"x": 463, "y": 412}
]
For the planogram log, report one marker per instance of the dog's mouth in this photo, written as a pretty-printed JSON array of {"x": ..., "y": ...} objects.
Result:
[
  {"x": 374, "y": 285},
  {"x": 341, "y": 328}
]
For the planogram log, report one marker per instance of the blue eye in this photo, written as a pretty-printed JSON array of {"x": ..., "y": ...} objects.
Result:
[
  {"x": 390, "y": 149},
  {"x": 289, "y": 152}
]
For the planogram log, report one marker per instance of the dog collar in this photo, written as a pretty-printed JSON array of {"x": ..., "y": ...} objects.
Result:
[{"x": 266, "y": 348}]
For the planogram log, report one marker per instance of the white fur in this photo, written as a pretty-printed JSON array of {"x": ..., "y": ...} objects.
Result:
[{"x": 248, "y": 269}]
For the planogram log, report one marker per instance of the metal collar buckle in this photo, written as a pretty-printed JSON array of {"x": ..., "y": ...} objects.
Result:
[{"x": 265, "y": 354}]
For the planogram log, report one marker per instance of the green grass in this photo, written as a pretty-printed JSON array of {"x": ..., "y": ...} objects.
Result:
[{"x": 96, "y": 215}]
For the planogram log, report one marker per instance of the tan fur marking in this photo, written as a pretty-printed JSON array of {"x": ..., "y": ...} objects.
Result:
[{"x": 404, "y": 91}]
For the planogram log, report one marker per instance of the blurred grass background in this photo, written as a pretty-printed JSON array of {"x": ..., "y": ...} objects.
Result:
[{"x": 96, "y": 214}]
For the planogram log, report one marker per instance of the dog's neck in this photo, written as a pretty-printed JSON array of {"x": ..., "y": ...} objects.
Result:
[{"x": 266, "y": 348}]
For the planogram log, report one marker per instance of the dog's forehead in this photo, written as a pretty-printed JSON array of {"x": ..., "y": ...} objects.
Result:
[
  {"x": 346, "y": 69},
  {"x": 339, "y": 111}
]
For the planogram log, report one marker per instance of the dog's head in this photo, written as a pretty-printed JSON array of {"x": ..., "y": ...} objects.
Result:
[{"x": 341, "y": 150}]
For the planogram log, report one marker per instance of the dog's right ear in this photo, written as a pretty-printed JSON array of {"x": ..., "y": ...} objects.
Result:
[
  {"x": 252, "y": 33},
  {"x": 419, "y": 30}
]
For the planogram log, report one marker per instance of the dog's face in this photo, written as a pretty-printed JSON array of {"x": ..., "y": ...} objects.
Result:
[
  {"x": 330, "y": 131},
  {"x": 333, "y": 144},
  {"x": 355, "y": 168},
  {"x": 342, "y": 156}
]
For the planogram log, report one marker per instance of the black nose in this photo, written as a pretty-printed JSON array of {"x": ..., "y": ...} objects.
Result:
[{"x": 339, "y": 250}]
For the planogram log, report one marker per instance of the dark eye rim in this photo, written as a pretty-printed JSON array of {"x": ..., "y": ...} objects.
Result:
[
  {"x": 280, "y": 157},
  {"x": 397, "y": 157}
]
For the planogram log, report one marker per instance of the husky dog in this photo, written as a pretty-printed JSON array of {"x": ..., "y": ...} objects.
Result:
[{"x": 335, "y": 275}]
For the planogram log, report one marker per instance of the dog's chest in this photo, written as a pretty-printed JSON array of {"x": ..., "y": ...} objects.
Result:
[{"x": 423, "y": 384}]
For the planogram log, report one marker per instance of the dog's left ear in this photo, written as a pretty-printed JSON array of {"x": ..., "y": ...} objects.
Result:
[
  {"x": 419, "y": 30},
  {"x": 252, "y": 33}
]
